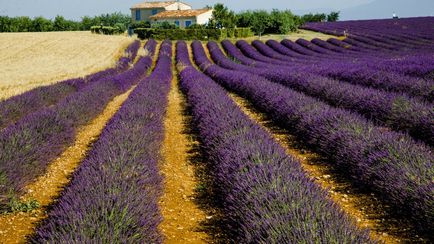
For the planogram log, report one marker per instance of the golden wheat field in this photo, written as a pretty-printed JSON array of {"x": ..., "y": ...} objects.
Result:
[{"x": 29, "y": 60}]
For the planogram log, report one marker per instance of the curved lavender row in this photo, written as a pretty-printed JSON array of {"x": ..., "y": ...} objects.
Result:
[
  {"x": 347, "y": 72},
  {"x": 361, "y": 45},
  {"x": 311, "y": 46},
  {"x": 396, "y": 111},
  {"x": 331, "y": 47},
  {"x": 284, "y": 54},
  {"x": 416, "y": 28},
  {"x": 402, "y": 34},
  {"x": 265, "y": 194},
  {"x": 12, "y": 109},
  {"x": 297, "y": 48},
  {"x": 389, "y": 163},
  {"x": 277, "y": 58},
  {"x": 113, "y": 196},
  {"x": 27, "y": 146},
  {"x": 342, "y": 44},
  {"x": 415, "y": 63},
  {"x": 387, "y": 41}
]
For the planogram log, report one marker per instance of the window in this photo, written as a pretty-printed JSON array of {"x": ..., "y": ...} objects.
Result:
[
  {"x": 187, "y": 23},
  {"x": 177, "y": 23},
  {"x": 154, "y": 11},
  {"x": 137, "y": 14}
]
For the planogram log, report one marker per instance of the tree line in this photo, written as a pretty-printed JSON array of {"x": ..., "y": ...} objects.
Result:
[
  {"x": 265, "y": 22},
  {"x": 59, "y": 23},
  {"x": 260, "y": 21}
]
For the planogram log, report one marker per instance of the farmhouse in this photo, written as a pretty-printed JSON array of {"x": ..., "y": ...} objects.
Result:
[{"x": 178, "y": 13}]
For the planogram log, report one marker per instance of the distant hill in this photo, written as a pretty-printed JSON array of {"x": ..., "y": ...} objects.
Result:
[{"x": 381, "y": 9}]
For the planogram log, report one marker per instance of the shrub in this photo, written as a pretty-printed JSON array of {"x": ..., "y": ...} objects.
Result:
[
  {"x": 106, "y": 30},
  {"x": 192, "y": 34}
]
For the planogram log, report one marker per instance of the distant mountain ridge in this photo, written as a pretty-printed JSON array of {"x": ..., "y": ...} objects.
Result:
[{"x": 381, "y": 9}]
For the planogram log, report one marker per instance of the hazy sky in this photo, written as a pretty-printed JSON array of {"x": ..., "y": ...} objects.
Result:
[{"x": 74, "y": 9}]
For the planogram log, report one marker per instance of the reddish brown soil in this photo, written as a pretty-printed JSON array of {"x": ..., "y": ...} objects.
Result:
[{"x": 182, "y": 216}]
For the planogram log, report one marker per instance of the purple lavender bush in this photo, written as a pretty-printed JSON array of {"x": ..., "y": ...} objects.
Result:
[
  {"x": 265, "y": 195},
  {"x": 113, "y": 196},
  {"x": 394, "y": 110},
  {"x": 36, "y": 139},
  {"x": 389, "y": 163}
]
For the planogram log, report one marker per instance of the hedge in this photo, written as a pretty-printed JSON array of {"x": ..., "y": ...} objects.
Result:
[
  {"x": 106, "y": 30},
  {"x": 192, "y": 34}
]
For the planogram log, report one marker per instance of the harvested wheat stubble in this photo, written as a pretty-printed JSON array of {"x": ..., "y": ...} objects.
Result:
[{"x": 38, "y": 59}]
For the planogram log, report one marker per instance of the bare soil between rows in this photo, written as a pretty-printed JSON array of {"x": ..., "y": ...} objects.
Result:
[{"x": 182, "y": 216}]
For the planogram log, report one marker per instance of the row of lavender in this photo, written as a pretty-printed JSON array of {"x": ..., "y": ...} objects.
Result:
[
  {"x": 397, "y": 111},
  {"x": 389, "y": 163},
  {"x": 410, "y": 73},
  {"x": 407, "y": 41},
  {"x": 265, "y": 195},
  {"x": 27, "y": 146},
  {"x": 113, "y": 196},
  {"x": 407, "y": 27},
  {"x": 11, "y": 110}
]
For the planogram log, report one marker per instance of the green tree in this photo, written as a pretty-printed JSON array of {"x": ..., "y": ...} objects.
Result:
[
  {"x": 260, "y": 22},
  {"x": 222, "y": 17},
  {"x": 5, "y": 24},
  {"x": 60, "y": 24},
  {"x": 87, "y": 22},
  {"x": 41, "y": 24},
  {"x": 24, "y": 24},
  {"x": 314, "y": 17},
  {"x": 113, "y": 19},
  {"x": 244, "y": 19},
  {"x": 333, "y": 16},
  {"x": 282, "y": 22}
]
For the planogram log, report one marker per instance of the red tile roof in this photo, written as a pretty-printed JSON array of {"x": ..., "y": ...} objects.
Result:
[
  {"x": 162, "y": 4},
  {"x": 179, "y": 13}
]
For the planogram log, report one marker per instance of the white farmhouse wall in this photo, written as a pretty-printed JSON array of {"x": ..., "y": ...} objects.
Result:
[
  {"x": 181, "y": 21},
  {"x": 204, "y": 18},
  {"x": 178, "y": 6}
]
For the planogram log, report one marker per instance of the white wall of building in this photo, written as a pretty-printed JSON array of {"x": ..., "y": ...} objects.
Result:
[
  {"x": 204, "y": 18},
  {"x": 182, "y": 21},
  {"x": 178, "y": 6}
]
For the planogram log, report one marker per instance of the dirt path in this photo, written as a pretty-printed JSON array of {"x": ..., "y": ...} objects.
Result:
[
  {"x": 182, "y": 216},
  {"x": 15, "y": 227},
  {"x": 364, "y": 207}
]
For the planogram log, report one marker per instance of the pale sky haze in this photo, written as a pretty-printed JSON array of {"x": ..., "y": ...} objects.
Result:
[{"x": 350, "y": 9}]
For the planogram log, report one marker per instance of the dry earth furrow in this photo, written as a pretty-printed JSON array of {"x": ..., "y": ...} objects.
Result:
[{"x": 182, "y": 216}]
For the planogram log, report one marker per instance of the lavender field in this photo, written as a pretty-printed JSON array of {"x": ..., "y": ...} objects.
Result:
[{"x": 362, "y": 103}]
